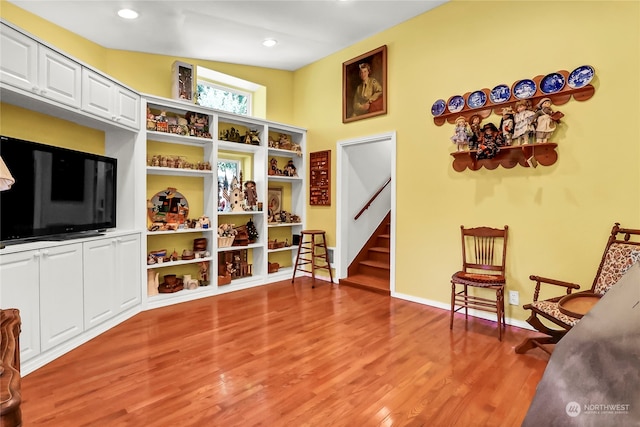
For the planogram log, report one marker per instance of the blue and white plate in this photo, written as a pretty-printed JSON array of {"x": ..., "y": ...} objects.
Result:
[
  {"x": 499, "y": 94},
  {"x": 581, "y": 76},
  {"x": 524, "y": 89},
  {"x": 456, "y": 104},
  {"x": 552, "y": 83},
  {"x": 477, "y": 99},
  {"x": 438, "y": 107}
]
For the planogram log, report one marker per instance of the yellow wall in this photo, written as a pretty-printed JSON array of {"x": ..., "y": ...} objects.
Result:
[{"x": 559, "y": 216}]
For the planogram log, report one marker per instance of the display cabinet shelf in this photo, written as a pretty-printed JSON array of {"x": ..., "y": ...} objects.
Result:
[
  {"x": 282, "y": 178},
  {"x": 238, "y": 146},
  {"x": 156, "y": 170},
  {"x": 179, "y": 262},
  {"x": 179, "y": 231},
  {"x": 284, "y": 224},
  {"x": 284, "y": 249},
  {"x": 235, "y": 248},
  {"x": 173, "y": 138}
]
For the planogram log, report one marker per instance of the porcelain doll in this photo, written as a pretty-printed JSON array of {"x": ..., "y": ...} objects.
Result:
[
  {"x": 490, "y": 143},
  {"x": 506, "y": 125},
  {"x": 523, "y": 122},
  {"x": 476, "y": 132},
  {"x": 461, "y": 135},
  {"x": 545, "y": 120}
]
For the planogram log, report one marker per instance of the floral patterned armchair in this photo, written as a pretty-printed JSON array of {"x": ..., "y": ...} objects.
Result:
[{"x": 621, "y": 252}]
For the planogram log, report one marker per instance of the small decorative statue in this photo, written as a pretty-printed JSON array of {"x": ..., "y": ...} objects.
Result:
[
  {"x": 250, "y": 194},
  {"x": 476, "y": 132},
  {"x": 237, "y": 196},
  {"x": 545, "y": 120},
  {"x": 506, "y": 125},
  {"x": 204, "y": 273},
  {"x": 523, "y": 122},
  {"x": 461, "y": 133},
  {"x": 290, "y": 169},
  {"x": 490, "y": 143}
]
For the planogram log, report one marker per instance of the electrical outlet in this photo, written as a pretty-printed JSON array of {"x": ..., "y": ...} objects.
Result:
[{"x": 514, "y": 298}]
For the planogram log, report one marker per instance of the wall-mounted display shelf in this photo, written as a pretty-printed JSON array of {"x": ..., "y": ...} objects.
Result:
[
  {"x": 320, "y": 178},
  {"x": 494, "y": 102},
  {"x": 524, "y": 155}
]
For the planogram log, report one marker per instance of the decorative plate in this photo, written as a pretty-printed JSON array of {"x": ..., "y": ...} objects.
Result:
[
  {"x": 456, "y": 104},
  {"x": 438, "y": 107},
  {"x": 168, "y": 206},
  {"x": 552, "y": 83},
  {"x": 581, "y": 76},
  {"x": 524, "y": 89},
  {"x": 499, "y": 94},
  {"x": 477, "y": 99}
]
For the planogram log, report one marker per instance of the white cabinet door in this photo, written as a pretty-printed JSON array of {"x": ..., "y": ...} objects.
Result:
[
  {"x": 61, "y": 302},
  {"x": 59, "y": 78},
  {"x": 128, "y": 271},
  {"x": 127, "y": 107},
  {"x": 99, "y": 281},
  {"x": 18, "y": 59},
  {"x": 97, "y": 94},
  {"x": 19, "y": 288},
  {"x": 105, "y": 98}
]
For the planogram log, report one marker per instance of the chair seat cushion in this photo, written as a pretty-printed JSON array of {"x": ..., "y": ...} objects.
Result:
[
  {"x": 475, "y": 279},
  {"x": 551, "y": 308}
]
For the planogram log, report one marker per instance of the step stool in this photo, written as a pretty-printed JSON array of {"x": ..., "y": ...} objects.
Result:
[{"x": 307, "y": 254}]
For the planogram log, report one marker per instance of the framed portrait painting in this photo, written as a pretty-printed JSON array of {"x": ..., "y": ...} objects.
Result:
[{"x": 364, "y": 86}]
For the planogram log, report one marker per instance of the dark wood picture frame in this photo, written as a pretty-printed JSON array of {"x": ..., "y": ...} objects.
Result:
[
  {"x": 274, "y": 200},
  {"x": 376, "y": 62}
]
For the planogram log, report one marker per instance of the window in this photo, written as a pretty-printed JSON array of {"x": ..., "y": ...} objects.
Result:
[
  {"x": 228, "y": 93},
  {"x": 224, "y": 98},
  {"x": 227, "y": 171}
]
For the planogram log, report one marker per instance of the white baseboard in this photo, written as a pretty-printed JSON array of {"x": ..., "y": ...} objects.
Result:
[{"x": 475, "y": 313}]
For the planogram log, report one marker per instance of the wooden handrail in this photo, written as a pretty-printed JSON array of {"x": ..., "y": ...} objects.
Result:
[{"x": 366, "y": 206}]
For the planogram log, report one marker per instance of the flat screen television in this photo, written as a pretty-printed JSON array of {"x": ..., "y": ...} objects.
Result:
[{"x": 57, "y": 193}]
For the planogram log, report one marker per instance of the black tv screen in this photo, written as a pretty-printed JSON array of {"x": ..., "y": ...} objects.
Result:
[{"x": 57, "y": 192}]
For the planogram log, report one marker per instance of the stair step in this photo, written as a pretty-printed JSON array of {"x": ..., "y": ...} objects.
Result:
[
  {"x": 379, "y": 254},
  {"x": 362, "y": 281},
  {"x": 376, "y": 264}
]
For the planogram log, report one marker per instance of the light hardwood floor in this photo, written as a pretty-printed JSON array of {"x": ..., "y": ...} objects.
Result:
[{"x": 289, "y": 355}]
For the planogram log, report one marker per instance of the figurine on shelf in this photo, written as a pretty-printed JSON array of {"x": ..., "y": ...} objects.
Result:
[
  {"x": 490, "y": 143},
  {"x": 250, "y": 194},
  {"x": 204, "y": 273},
  {"x": 523, "y": 122},
  {"x": 461, "y": 133},
  {"x": 290, "y": 169},
  {"x": 237, "y": 195},
  {"x": 506, "y": 125},
  {"x": 545, "y": 120},
  {"x": 476, "y": 132}
]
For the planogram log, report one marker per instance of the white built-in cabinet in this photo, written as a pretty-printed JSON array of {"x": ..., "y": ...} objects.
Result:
[
  {"x": 73, "y": 290},
  {"x": 27, "y": 64},
  {"x": 203, "y": 184},
  {"x": 103, "y": 97},
  {"x": 63, "y": 290},
  {"x": 41, "y": 71},
  {"x": 111, "y": 266}
]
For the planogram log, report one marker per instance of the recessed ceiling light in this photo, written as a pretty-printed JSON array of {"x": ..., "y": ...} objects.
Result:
[
  {"x": 269, "y": 42},
  {"x": 127, "y": 14}
]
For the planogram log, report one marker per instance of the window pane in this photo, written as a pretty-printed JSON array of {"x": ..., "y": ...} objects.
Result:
[{"x": 223, "y": 99}]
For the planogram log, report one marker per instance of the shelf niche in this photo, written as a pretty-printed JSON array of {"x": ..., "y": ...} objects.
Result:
[{"x": 544, "y": 154}]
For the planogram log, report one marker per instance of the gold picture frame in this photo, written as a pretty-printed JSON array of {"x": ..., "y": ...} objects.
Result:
[{"x": 360, "y": 99}]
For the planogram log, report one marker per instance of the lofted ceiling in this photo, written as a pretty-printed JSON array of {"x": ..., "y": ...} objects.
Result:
[{"x": 230, "y": 31}]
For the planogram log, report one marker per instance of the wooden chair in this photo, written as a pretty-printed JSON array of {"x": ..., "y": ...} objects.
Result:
[
  {"x": 484, "y": 252},
  {"x": 619, "y": 255}
]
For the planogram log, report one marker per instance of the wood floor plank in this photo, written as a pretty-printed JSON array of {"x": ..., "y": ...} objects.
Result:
[{"x": 289, "y": 355}]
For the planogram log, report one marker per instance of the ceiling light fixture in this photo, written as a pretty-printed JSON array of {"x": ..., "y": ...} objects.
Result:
[
  {"x": 127, "y": 14},
  {"x": 269, "y": 42}
]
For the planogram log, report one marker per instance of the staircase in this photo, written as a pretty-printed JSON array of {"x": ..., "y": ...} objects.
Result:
[{"x": 370, "y": 269}]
